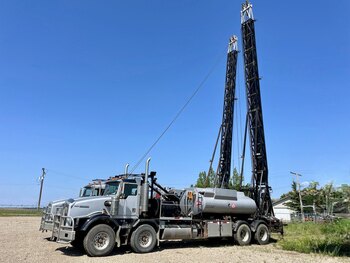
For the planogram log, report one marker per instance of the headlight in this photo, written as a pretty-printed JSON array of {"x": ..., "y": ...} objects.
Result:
[{"x": 68, "y": 221}]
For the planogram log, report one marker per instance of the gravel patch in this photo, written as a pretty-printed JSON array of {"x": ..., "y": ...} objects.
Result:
[{"x": 21, "y": 241}]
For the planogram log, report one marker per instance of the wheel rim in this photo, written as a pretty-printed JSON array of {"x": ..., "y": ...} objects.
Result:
[
  {"x": 145, "y": 239},
  {"x": 263, "y": 235},
  {"x": 101, "y": 240},
  {"x": 244, "y": 235}
]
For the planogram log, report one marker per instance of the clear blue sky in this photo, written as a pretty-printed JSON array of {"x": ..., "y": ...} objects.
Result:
[{"x": 87, "y": 86}]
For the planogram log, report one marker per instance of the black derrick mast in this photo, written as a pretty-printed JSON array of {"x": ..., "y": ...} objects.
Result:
[
  {"x": 260, "y": 187},
  {"x": 224, "y": 168}
]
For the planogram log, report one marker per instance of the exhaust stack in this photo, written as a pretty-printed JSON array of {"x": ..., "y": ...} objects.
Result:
[
  {"x": 144, "y": 204},
  {"x": 126, "y": 169}
]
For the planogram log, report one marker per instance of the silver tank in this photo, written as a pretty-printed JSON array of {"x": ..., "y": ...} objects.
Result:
[{"x": 216, "y": 201}]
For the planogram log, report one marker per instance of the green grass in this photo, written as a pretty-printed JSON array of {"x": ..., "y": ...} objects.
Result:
[
  {"x": 20, "y": 212},
  {"x": 324, "y": 238}
]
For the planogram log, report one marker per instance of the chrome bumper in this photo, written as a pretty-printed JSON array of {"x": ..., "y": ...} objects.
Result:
[{"x": 63, "y": 229}]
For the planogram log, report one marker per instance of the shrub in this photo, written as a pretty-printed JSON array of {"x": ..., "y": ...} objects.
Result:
[{"x": 325, "y": 238}]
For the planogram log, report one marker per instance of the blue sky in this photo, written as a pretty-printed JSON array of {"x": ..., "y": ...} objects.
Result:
[{"x": 87, "y": 86}]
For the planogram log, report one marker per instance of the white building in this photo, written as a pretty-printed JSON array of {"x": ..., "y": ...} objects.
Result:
[{"x": 282, "y": 211}]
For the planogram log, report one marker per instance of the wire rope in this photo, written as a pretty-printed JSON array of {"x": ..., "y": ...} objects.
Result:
[{"x": 201, "y": 84}]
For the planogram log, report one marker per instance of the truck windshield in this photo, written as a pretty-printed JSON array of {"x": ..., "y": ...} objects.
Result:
[
  {"x": 111, "y": 188},
  {"x": 87, "y": 191}
]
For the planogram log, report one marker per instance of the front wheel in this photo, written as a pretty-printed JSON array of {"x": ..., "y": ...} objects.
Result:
[
  {"x": 262, "y": 234},
  {"x": 143, "y": 239},
  {"x": 243, "y": 235},
  {"x": 99, "y": 241}
]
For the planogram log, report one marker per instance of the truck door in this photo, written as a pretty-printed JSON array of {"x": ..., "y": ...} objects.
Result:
[{"x": 129, "y": 201}]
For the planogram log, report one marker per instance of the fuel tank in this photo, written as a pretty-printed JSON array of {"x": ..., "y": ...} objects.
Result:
[{"x": 196, "y": 201}]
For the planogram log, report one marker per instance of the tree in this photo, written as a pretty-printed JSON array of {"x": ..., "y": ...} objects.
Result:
[
  {"x": 235, "y": 180},
  {"x": 328, "y": 198},
  {"x": 204, "y": 181},
  {"x": 312, "y": 195},
  {"x": 309, "y": 195},
  {"x": 341, "y": 201},
  {"x": 327, "y": 194},
  {"x": 294, "y": 196}
]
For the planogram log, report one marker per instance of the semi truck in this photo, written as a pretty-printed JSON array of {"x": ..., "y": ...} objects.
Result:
[
  {"x": 136, "y": 210},
  {"x": 94, "y": 188}
]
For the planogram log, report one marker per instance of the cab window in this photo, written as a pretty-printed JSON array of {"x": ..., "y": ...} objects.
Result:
[
  {"x": 87, "y": 191},
  {"x": 130, "y": 189},
  {"x": 111, "y": 188}
]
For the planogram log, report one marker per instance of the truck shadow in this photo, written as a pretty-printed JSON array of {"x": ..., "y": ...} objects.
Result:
[
  {"x": 77, "y": 252},
  {"x": 164, "y": 245}
]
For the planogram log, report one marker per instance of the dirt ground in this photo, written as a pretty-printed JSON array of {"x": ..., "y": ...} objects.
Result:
[{"x": 20, "y": 241}]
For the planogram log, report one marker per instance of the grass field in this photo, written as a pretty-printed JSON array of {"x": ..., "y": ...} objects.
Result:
[
  {"x": 20, "y": 212},
  {"x": 324, "y": 238}
]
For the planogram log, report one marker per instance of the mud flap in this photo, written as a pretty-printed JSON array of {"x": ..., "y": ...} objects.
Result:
[
  {"x": 117, "y": 237},
  {"x": 158, "y": 237}
]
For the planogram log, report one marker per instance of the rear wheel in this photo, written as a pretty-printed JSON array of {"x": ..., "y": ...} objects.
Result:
[
  {"x": 243, "y": 235},
  {"x": 143, "y": 239},
  {"x": 99, "y": 241},
  {"x": 262, "y": 234}
]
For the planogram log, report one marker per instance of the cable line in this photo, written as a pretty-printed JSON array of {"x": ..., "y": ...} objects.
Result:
[
  {"x": 66, "y": 175},
  {"x": 201, "y": 84}
]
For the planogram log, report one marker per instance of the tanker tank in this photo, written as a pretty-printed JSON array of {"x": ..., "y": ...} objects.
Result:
[{"x": 195, "y": 201}]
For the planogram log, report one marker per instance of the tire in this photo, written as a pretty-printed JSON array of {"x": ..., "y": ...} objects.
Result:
[
  {"x": 243, "y": 235},
  {"x": 143, "y": 239},
  {"x": 99, "y": 241},
  {"x": 262, "y": 234}
]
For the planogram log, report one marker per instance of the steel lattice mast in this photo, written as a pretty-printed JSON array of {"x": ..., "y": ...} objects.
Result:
[
  {"x": 260, "y": 192},
  {"x": 224, "y": 168}
]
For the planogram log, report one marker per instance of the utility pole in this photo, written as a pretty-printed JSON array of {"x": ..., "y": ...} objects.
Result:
[
  {"x": 297, "y": 175},
  {"x": 41, "y": 178}
]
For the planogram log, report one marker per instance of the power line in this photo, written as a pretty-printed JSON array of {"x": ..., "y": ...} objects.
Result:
[
  {"x": 9, "y": 184},
  {"x": 177, "y": 115},
  {"x": 59, "y": 188},
  {"x": 66, "y": 175}
]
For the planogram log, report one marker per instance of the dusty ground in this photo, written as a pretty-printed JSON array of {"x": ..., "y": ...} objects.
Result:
[{"x": 20, "y": 241}]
